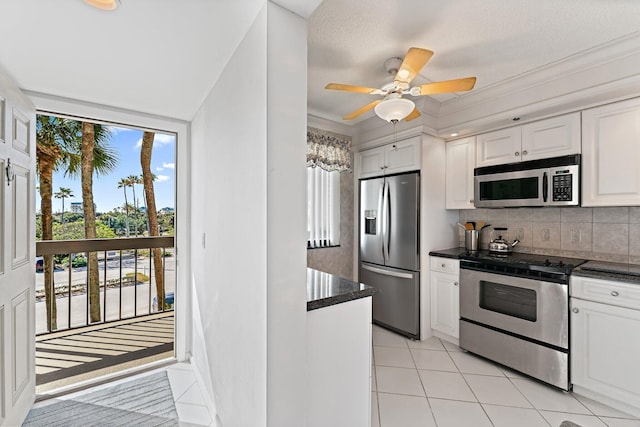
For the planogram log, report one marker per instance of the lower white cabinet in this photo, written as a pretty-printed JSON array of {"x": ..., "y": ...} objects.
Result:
[
  {"x": 445, "y": 297},
  {"x": 605, "y": 349}
]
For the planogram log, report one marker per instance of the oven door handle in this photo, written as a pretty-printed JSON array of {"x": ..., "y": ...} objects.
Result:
[{"x": 545, "y": 187}]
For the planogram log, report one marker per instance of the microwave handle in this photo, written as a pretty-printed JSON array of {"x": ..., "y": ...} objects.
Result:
[{"x": 545, "y": 187}]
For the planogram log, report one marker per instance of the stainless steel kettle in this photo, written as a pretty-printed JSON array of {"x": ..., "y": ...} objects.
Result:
[{"x": 501, "y": 244}]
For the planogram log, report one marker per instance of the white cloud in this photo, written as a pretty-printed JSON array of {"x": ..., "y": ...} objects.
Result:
[
  {"x": 159, "y": 169},
  {"x": 159, "y": 140},
  {"x": 162, "y": 178},
  {"x": 169, "y": 165}
]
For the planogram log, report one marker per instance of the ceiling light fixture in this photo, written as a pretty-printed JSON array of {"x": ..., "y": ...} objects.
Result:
[
  {"x": 454, "y": 134},
  {"x": 394, "y": 108},
  {"x": 103, "y": 4}
]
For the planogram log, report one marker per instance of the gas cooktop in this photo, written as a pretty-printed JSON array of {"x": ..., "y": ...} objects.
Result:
[{"x": 524, "y": 261}]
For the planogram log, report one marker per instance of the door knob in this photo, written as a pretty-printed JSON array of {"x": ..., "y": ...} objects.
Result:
[
  {"x": 517, "y": 153},
  {"x": 575, "y": 310}
]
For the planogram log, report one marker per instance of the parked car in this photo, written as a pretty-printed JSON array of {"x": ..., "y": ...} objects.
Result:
[
  {"x": 39, "y": 264},
  {"x": 168, "y": 300}
]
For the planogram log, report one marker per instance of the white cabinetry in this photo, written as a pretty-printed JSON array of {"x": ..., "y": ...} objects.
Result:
[
  {"x": 557, "y": 136},
  {"x": 445, "y": 298},
  {"x": 401, "y": 156},
  {"x": 611, "y": 155},
  {"x": 605, "y": 320},
  {"x": 461, "y": 160}
]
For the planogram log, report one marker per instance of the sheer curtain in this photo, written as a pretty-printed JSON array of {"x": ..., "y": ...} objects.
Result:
[{"x": 327, "y": 155}]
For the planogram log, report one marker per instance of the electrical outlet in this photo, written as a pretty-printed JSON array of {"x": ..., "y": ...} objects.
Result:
[
  {"x": 520, "y": 233},
  {"x": 575, "y": 235},
  {"x": 545, "y": 234}
]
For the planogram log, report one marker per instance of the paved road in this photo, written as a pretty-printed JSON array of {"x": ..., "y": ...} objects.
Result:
[{"x": 139, "y": 294}]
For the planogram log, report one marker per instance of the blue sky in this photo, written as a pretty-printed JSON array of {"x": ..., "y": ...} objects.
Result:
[{"x": 107, "y": 195}]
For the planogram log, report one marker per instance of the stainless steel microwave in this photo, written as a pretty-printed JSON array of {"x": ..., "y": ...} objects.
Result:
[{"x": 546, "y": 182}]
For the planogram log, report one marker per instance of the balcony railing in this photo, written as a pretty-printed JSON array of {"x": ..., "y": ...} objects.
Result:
[{"x": 126, "y": 276}]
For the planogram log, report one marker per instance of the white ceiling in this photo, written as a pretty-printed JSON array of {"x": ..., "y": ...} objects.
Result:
[
  {"x": 154, "y": 56},
  {"x": 162, "y": 57},
  {"x": 495, "y": 40}
]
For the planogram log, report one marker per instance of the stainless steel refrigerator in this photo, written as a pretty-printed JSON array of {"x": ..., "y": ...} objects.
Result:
[{"x": 389, "y": 252}]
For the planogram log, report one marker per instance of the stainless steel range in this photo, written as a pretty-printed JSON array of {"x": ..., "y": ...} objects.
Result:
[{"x": 514, "y": 309}]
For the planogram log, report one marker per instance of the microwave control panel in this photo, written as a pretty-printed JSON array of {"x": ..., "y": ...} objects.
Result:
[{"x": 563, "y": 186}]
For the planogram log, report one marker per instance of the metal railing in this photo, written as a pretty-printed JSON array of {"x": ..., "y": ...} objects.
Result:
[{"x": 124, "y": 288}]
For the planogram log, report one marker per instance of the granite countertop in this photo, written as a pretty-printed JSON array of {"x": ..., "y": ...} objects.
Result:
[
  {"x": 629, "y": 273},
  {"x": 324, "y": 289},
  {"x": 453, "y": 253}
]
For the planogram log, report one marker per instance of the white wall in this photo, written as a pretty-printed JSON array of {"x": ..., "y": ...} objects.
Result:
[{"x": 249, "y": 226}]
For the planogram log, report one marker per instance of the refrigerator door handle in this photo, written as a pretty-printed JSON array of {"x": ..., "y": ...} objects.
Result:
[
  {"x": 385, "y": 236},
  {"x": 380, "y": 213},
  {"x": 387, "y": 272}
]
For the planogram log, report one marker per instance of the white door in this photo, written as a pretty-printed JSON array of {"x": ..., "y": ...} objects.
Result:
[{"x": 17, "y": 255}]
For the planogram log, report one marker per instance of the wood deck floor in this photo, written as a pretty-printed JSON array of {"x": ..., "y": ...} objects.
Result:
[{"x": 68, "y": 357}]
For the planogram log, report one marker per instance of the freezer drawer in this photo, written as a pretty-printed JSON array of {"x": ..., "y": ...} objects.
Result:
[{"x": 396, "y": 305}]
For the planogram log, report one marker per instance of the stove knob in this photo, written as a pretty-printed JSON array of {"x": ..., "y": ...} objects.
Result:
[
  {"x": 560, "y": 264},
  {"x": 547, "y": 262}
]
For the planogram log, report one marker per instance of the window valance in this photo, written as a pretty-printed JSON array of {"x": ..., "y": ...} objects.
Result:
[{"x": 328, "y": 151}]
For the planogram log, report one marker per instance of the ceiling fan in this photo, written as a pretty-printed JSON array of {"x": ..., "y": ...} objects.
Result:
[{"x": 393, "y": 107}]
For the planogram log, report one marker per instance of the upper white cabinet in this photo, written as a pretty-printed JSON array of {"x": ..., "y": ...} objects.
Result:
[
  {"x": 557, "y": 136},
  {"x": 502, "y": 146},
  {"x": 401, "y": 156},
  {"x": 461, "y": 160},
  {"x": 611, "y": 155}
]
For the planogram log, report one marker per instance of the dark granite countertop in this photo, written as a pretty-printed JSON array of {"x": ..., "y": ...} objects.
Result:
[
  {"x": 629, "y": 273},
  {"x": 324, "y": 289},
  {"x": 449, "y": 253}
]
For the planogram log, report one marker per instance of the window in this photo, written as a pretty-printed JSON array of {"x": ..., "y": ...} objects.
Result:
[{"x": 323, "y": 208}]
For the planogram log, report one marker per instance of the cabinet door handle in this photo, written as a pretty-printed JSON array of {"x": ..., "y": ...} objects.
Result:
[
  {"x": 524, "y": 153},
  {"x": 455, "y": 283},
  {"x": 575, "y": 310},
  {"x": 444, "y": 265},
  {"x": 517, "y": 153},
  {"x": 470, "y": 201},
  {"x": 614, "y": 293}
]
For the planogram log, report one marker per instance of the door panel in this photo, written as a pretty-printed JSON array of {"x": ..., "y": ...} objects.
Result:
[
  {"x": 21, "y": 140},
  {"x": 371, "y": 220},
  {"x": 403, "y": 220},
  {"x": 20, "y": 342},
  {"x": 20, "y": 205},
  {"x": 396, "y": 302}
]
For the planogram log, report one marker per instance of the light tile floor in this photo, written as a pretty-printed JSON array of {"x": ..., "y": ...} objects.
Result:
[
  {"x": 434, "y": 384},
  {"x": 188, "y": 398}
]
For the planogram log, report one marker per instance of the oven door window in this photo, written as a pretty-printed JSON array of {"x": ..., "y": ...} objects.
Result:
[
  {"x": 510, "y": 189},
  {"x": 509, "y": 300}
]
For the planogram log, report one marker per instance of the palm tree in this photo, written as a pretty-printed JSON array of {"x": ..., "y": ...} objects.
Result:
[
  {"x": 133, "y": 180},
  {"x": 147, "y": 178},
  {"x": 124, "y": 183},
  {"x": 95, "y": 156},
  {"x": 54, "y": 146},
  {"x": 63, "y": 193}
]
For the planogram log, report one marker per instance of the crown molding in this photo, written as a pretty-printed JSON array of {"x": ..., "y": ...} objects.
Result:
[
  {"x": 329, "y": 125},
  {"x": 595, "y": 76}
]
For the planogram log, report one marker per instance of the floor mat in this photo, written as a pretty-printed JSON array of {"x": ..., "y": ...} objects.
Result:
[{"x": 146, "y": 401}]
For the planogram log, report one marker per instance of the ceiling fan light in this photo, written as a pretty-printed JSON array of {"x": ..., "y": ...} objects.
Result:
[
  {"x": 103, "y": 4},
  {"x": 394, "y": 109}
]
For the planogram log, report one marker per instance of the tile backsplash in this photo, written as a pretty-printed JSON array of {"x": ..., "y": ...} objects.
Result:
[{"x": 609, "y": 234}]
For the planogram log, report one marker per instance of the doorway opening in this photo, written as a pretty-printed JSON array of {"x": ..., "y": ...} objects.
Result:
[{"x": 105, "y": 249}]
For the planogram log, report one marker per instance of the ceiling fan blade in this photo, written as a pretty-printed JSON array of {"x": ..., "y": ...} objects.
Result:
[
  {"x": 412, "y": 115},
  {"x": 362, "y": 110},
  {"x": 412, "y": 64},
  {"x": 457, "y": 85},
  {"x": 350, "y": 88}
]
